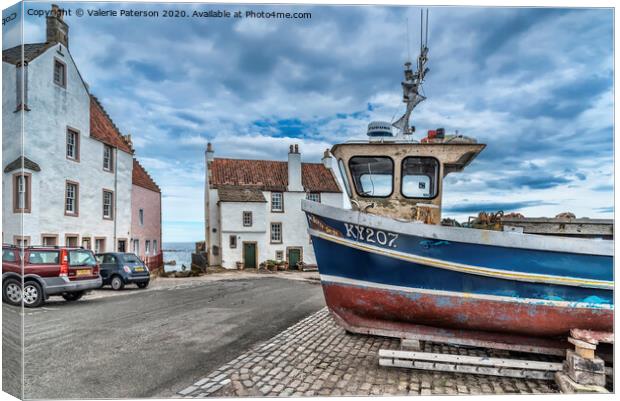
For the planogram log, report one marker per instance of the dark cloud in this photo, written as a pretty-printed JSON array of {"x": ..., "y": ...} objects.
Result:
[{"x": 493, "y": 206}]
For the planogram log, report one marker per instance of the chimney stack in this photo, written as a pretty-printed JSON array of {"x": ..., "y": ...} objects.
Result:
[
  {"x": 294, "y": 169},
  {"x": 210, "y": 153},
  {"x": 57, "y": 31},
  {"x": 327, "y": 159}
]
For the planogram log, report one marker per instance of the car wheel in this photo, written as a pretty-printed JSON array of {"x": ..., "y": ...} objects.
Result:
[
  {"x": 142, "y": 285},
  {"x": 73, "y": 296},
  {"x": 33, "y": 294},
  {"x": 117, "y": 283},
  {"x": 12, "y": 291}
]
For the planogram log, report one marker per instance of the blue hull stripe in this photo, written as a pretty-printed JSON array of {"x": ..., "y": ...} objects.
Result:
[
  {"x": 595, "y": 269},
  {"x": 511, "y": 275},
  {"x": 340, "y": 260}
]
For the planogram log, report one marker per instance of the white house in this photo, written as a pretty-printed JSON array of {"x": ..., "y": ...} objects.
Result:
[
  {"x": 68, "y": 178},
  {"x": 253, "y": 208}
]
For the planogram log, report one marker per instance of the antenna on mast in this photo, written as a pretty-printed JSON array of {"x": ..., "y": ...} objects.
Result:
[
  {"x": 413, "y": 81},
  {"x": 408, "y": 45}
]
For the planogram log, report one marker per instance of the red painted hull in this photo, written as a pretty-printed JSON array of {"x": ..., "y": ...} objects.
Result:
[{"x": 378, "y": 310}]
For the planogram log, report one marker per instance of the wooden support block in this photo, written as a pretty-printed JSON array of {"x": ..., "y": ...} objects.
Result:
[
  {"x": 583, "y": 348},
  {"x": 576, "y": 362},
  {"x": 593, "y": 337},
  {"x": 581, "y": 343},
  {"x": 587, "y": 378},
  {"x": 410, "y": 344},
  {"x": 567, "y": 385}
]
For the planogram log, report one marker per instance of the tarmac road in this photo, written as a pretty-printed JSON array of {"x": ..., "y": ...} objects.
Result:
[{"x": 151, "y": 343}]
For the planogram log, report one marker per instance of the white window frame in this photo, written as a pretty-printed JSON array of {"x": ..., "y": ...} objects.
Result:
[
  {"x": 314, "y": 196},
  {"x": 277, "y": 202},
  {"x": 108, "y": 158},
  {"x": 71, "y": 198},
  {"x": 110, "y": 205},
  {"x": 275, "y": 233},
  {"x": 249, "y": 221}
]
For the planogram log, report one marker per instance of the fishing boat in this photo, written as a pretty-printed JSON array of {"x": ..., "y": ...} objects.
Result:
[{"x": 389, "y": 267}]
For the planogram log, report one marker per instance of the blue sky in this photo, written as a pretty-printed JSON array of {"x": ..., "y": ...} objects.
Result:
[{"x": 535, "y": 85}]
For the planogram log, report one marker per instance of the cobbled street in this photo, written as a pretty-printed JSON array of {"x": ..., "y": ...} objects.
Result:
[{"x": 317, "y": 357}]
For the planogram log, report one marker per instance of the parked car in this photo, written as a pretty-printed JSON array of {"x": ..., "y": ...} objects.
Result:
[
  {"x": 119, "y": 269},
  {"x": 47, "y": 271}
]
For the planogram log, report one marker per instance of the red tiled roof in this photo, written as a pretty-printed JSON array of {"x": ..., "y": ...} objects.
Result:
[
  {"x": 103, "y": 129},
  {"x": 269, "y": 175},
  {"x": 141, "y": 178}
]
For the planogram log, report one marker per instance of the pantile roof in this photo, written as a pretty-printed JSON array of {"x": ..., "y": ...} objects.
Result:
[
  {"x": 269, "y": 175},
  {"x": 141, "y": 178},
  {"x": 236, "y": 194},
  {"x": 103, "y": 129}
]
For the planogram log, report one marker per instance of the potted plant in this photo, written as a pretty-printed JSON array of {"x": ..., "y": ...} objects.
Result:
[{"x": 240, "y": 265}]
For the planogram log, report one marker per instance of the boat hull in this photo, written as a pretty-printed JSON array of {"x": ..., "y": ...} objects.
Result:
[{"x": 373, "y": 288}]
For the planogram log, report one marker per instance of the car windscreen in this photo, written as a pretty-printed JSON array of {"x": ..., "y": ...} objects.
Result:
[
  {"x": 131, "y": 258},
  {"x": 82, "y": 258},
  {"x": 43, "y": 257}
]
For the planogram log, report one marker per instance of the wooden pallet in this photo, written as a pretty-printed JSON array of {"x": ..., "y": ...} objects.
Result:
[{"x": 470, "y": 364}]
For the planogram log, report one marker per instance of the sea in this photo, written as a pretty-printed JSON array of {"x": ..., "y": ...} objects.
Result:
[{"x": 181, "y": 252}]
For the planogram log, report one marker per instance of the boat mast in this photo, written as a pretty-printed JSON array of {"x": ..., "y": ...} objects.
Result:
[{"x": 413, "y": 81}]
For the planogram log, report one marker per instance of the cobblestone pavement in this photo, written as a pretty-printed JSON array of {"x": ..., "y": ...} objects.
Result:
[{"x": 317, "y": 357}]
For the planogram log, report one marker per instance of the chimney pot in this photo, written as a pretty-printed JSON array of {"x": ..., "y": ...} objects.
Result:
[
  {"x": 296, "y": 148},
  {"x": 209, "y": 147},
  {"x": 290, "y": 149}
]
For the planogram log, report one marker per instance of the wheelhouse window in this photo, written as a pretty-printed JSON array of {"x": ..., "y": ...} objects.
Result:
[
  {"x": 314, "y": 196},
  {"x": 343, "y": 174},
  {"x": 277, "y": 202},
  {"x": 108, "y": 156},
  {"x": 372, "y": 176},
  {"x": 72, "y": 199},
  {"x": 21, "y": 191},
  {"x": 247, "y": 219},
  {"x": 60, "y": 73},
  {"x": 420, "y": 176},
  {"x": 108, "y": 205},
  {"x": 276, "y": 233},
  {"x": 73, "y": 145}
]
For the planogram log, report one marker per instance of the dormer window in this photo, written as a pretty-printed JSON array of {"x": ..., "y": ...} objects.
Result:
[{"x": 60, "y": 73}]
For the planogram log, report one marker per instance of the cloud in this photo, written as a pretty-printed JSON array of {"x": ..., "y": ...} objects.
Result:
[
  {"x": 493, "y": 206},
  {"x": 534, "y": 84}
]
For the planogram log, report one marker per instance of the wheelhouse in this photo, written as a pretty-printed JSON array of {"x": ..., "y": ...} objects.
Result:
[{"x": 401, "y": 179}]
